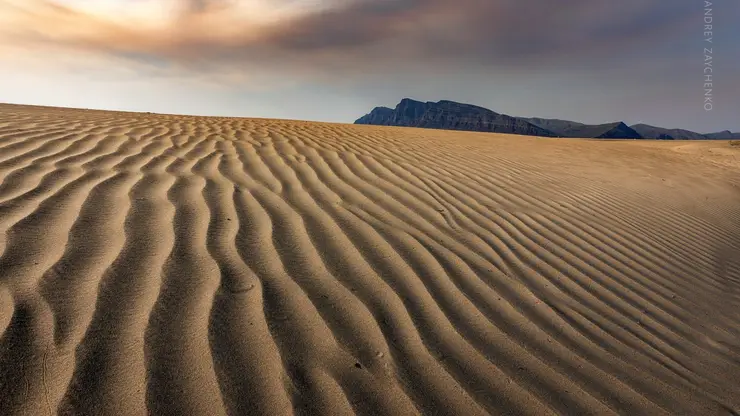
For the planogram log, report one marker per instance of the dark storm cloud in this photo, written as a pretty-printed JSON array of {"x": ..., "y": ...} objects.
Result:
[
  {"x": 405, "y": 32},
  {"x": 490, "y": 32}
]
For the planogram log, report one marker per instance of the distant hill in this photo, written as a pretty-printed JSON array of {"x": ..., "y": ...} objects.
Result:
[
  {"x": 724, "y": 135},
  {"x": 450, "y": 115},
  {"x": 660, "y": 133},
  {"x": 617, "y": 130},
  {"x": 564, "y": 128},
  {"x": 559, "y": 127}
]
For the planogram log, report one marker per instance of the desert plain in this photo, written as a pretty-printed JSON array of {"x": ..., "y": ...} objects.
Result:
[{"x": 179, "y": 265}]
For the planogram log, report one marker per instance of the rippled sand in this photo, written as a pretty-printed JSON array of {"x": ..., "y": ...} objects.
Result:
[{"x": 204, "y": 266}]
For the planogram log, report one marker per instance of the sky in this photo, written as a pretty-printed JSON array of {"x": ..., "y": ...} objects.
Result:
[{"x": 593, "y": 61}]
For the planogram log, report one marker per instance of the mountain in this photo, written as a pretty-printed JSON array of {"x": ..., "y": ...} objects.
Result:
[
  {"x": 554, "y": 125},
  {"x": 617, "y": 130},
  {"x": 379, "y": 116},
  {"x": 723, "y": 135},
  {"x": 450, "y": 115},
  {"x": 652, "y": 132},
  {"x": 566, "y": 128}
]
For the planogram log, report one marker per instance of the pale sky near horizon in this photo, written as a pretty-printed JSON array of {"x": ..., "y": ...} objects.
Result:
[{"x": 592, "y": 61}]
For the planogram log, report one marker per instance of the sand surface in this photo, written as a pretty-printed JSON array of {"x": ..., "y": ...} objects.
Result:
[{"x": 204, "y": 266}]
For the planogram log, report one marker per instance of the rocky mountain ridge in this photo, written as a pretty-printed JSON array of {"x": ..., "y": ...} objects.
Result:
[{"x": 451, "y": 115}]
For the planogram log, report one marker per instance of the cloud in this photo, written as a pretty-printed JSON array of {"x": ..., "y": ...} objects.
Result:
[{"x": 359, "y": 35}]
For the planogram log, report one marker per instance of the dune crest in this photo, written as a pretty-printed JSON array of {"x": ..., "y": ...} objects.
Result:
[{"x": 191, "y": 265}]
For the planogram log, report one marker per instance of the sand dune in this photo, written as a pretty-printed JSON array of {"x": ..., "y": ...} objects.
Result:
[{"x": 204, "y": 266}]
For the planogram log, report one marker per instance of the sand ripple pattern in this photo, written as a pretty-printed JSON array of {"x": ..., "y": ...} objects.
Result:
[{"x": 170, "y": 265}]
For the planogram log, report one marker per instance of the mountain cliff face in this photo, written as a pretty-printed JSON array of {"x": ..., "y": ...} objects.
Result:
[
  {"x": 450, "y": 115},
  {"x": 379, "y": 116}
]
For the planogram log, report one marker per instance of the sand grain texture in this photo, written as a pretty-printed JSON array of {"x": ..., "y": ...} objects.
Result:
[{"x": 202, "y": 266}]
